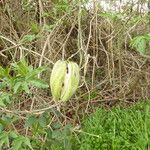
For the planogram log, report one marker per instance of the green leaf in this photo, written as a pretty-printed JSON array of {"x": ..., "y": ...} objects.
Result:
[
  {"x": 21, "y": 68},
  {"x": 39, "y": 70},
  {"x": 12, "y": 134},
  {"x": 4, "y": 72},
  {"x": 7, "y": 140},
  {"x": 17, "y": 86},
  {"x": 2, "y": 103},
  {"x": 48, "y": 27},
  {"x": 35, "y": 28},
  {"x": 19, "y": 141},
  {"x": 28, "y": 38},
  {"x": 1, "y": 128},
  {"x": 4, "y": 139},
  {"x": 1, "y": 72},
  {"x": 2, "y": 142},
  {"x": 27, "y": 142},
  {"x": 38, "y": 83},
  {"x": 139, "y": 43},
  {"x": 147, "y": 36},
  {"x": 141, "y": 47},
  {"x": 25, "y": 87},
  {"x": 4, "y": 98},
  {"x": 57, "y": 134},
  {"x": 42, "y": 121},
  {"x": 67, "y": 143},
  {"x": 30, "y": 121},
  {"x": 3, "y": 122},
  {"x": 16, "y": 145}
]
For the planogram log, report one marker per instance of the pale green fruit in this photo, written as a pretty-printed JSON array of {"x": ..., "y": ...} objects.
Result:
[
  {"x": 64, "y": 80},
  {"x": 57, "y": 78}
]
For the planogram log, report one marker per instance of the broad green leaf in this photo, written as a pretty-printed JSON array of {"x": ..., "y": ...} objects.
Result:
[{"x": 38, "y": 83}]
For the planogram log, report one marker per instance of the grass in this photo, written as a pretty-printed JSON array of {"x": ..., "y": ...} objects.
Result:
[{"x": 116, "y": 129}]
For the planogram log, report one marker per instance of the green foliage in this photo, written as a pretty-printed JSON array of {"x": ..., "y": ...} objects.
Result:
[
  {"x": 117, "y": 129},
  {"x": 57, "y": 136},
  {"x": 61, "y": 137},
  {"x": 139, "y": 42},
  {"x": 35, "y": 28},
  {"x": 6, "y": 121},
  {"x": 48, "y": 28},
  {"x": 61, "y": 6},
  {"x": 18, "y": 78},
  {"x": 18, "y": 141},
  {"x": 15, "y": 81},
  {"x": 92, "y": 95},
  {"x": 5, "y": 98}
]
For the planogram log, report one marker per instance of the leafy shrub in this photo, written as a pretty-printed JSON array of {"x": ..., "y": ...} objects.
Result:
[
  {"x": 18, "y": 78},
  {"x": 41, "y": 131},
  {"x": 118, "y": 129}
]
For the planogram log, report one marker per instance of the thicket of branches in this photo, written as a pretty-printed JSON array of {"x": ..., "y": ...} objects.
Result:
[{"x": 113, "y": 68}]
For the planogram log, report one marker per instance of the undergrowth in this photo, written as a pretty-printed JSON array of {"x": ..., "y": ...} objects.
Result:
[{"x": 110, "y": 46}]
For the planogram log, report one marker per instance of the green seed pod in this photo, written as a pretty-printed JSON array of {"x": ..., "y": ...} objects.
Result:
[{"x": 64, "y": 80}]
